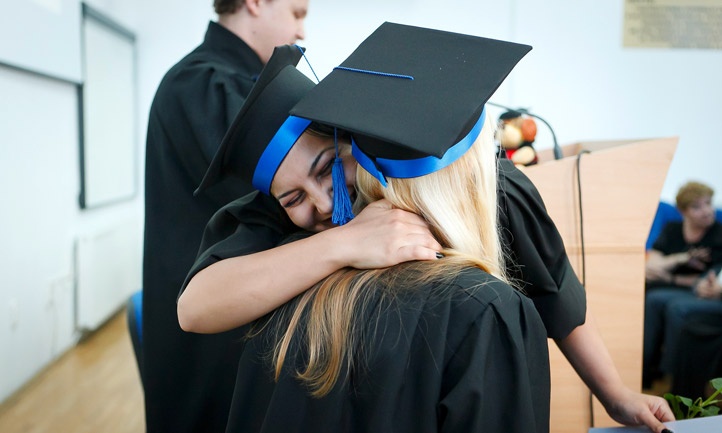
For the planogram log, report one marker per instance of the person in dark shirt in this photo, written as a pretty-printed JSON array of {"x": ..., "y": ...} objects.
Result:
[
  {"x": 678, "y": 273},
  {"x": 188, "y": 379}
]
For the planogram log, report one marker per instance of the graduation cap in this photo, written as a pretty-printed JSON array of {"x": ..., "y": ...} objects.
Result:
[
  {"x": 510, "y": 114},
  {"x": 262, "y": 132},
  {"x": 412, "y": 98}
]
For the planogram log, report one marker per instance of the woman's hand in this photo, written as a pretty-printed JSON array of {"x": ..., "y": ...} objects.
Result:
[
  {"x": 698, "y": 258},
  {"x": 237, "y": 290},
  {"x": 586, "y": 352},
  {"x": 658, "y": 266},
  {"x": 632, "y": 408},
  {"x": 708, "y": 287},
  {"x": 381, "y": 236}
]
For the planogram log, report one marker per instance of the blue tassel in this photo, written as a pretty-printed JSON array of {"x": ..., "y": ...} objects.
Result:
[{"x": 342, "y": 212}]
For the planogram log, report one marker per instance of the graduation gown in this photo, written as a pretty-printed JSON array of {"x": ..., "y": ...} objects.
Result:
[
  {"x": 188, "y": 378},
  {"x": 468, "y": 357},
  {"x": 538, "y": 258}
]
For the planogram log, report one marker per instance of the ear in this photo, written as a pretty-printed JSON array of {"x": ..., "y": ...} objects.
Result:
[{"x": 253, "y": 7}]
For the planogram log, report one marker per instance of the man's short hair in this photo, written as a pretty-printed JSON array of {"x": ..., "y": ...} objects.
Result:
[
  {"x": 690, "y": 192},
  {"x": 223, "y": 7}
]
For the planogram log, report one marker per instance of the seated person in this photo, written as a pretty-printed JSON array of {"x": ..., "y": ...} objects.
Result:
[
  {"x": 684, "y": 252},
  {"x": 705, "y": 299},
  {"x": 698, "y": 324}
]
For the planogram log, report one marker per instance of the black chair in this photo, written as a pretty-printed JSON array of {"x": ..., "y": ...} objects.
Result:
[{"x": 134, "y": 310}]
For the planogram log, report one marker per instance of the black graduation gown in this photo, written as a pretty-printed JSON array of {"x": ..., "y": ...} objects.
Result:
[
  {"x": 539, "y": 261},
  {"x": 538, "y": 258},
  {"x": 472, "y": 360},
  {"x": 188, "y": 378}
]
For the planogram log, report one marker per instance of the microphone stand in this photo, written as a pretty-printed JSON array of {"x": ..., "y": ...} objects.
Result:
[{"x": 557, "y": 150}]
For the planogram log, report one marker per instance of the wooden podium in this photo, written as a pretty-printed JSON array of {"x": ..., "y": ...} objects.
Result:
[{"x": 621, "y": 182}]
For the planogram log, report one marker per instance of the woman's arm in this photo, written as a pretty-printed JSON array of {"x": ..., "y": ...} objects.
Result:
[
  {"x": 235, "y": 291},
  {"x": 587, "y": 353},
  {"x": 658, "y": 267}
]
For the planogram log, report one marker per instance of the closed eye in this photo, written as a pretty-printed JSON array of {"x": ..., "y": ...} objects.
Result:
[
  {"x": 296, "y": 199},
  {"x": 326, "y": 169}
]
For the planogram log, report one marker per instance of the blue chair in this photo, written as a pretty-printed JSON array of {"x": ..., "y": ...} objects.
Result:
[
  {"x": 134, "y": 310},
  {"x": 665, "y": 213}
]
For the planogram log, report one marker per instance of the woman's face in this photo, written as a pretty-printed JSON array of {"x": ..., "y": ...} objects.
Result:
[
  {"x": 303, "y": 185},
  {"x": 700, "y": 212}
]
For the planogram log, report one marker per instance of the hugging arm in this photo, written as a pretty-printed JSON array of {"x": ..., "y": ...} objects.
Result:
[{"x": 237, "y": 290}]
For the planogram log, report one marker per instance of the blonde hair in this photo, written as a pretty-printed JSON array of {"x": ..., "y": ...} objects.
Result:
[{"x": 459, "y": 202}]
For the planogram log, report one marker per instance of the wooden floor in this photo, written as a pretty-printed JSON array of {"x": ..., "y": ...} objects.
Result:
[{"x": 94, "y": 387}]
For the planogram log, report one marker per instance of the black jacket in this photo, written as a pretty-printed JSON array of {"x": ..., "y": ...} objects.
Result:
[
  {"x": 467, "y": 355},
  {"x": 188, "y": 378}
]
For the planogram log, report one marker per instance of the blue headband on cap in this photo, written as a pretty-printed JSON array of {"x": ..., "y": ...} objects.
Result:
[
  {"x": 276, "y": 151},
  {"x": 407, "y": 168}
]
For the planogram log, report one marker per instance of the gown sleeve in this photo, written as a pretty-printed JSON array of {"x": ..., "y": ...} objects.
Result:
[
  {"x": 497, "y": 379},
  {"x": 248, "y": 225},
  {"x": 212, "y": 103},
  {"x": 194, "y": 110},
  {"x": 536, "y": 255}
]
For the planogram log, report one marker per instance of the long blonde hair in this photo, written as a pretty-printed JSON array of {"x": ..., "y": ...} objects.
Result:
[{"x": 459, "y": 202}]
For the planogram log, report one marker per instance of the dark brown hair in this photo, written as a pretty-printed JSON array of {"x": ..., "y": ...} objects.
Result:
[
  {"x": 690, "y": 192},
  {"x": 223, "y": 7}
]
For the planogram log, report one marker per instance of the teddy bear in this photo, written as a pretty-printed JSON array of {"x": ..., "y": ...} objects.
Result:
[{"x": 516, "y": 136}]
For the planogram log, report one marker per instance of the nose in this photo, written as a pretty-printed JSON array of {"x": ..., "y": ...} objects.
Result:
[
  {"x": 300, "y": 32},
  {"x": 322, "y": 199}
]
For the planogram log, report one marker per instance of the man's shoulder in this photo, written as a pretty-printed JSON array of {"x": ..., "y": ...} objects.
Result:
[
  {"x": 197, "y": 63},
  {"x": 197, "y": 75}
]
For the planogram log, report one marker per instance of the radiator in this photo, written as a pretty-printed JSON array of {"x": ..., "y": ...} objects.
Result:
[{"x": 108, "y": 269}]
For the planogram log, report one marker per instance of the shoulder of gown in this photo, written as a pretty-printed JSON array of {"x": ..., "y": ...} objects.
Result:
[
  {"x": 247, "y": 225},
  {"x": 536, "y": 257}
]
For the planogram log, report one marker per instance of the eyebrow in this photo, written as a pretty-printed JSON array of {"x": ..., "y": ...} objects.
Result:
[
  {"x": 318, "y": 158},
  {"x": 310, "y": 170}
]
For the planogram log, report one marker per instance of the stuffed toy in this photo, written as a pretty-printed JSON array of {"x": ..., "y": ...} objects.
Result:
[{"x": 516, "y": 135}]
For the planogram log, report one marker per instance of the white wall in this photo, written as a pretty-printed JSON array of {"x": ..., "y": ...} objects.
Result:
[
  {"x": 39, "y": 166},
  {"x": 578, "y": 77},
  {"x": 581, "y": 79},
  {"x": 40, "y": 220}
]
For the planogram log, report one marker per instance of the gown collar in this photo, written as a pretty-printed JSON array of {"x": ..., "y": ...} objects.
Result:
[{"x": 227, "y": 44}]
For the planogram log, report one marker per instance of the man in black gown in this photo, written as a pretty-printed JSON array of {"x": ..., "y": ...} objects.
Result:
[{"x": 189, "y": 378}]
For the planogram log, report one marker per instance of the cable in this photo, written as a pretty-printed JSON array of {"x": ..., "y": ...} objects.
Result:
[
  {"x": 581, "y": 217},
  {"x": 584, "y": 261}
]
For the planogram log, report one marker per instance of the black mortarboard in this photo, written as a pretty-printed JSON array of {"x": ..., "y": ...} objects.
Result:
[
  {"x": 511, "y": 114},
  {"x": 412, "y": 98},
  {"x": 262, "y": 132}
]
